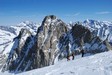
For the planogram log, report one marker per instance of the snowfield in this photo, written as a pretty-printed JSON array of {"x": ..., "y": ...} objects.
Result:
[{"x": 99, "y": 64}]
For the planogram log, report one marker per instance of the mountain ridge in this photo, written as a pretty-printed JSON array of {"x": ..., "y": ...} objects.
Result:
[{"x": 40, "y": 47}]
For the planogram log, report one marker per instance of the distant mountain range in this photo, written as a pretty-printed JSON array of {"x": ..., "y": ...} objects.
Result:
[{"x": 29, "y": 45}]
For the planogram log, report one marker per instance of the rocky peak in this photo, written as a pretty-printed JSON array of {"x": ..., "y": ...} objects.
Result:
[
  {"x": 48, "y": 19},
  {"x": 52, "y": 24},
  {"x": 24, "y": 32},
  {"x": 39, "y": 50},
  {"x": 79, "y": 31},
  {"x": 47, "y": 38}
]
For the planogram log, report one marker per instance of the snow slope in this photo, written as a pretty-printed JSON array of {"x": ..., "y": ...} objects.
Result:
[
  {"x": 4, "y": 39},
  {"x": 99, "y": 64},
  {"x": 8, "y": 33}
]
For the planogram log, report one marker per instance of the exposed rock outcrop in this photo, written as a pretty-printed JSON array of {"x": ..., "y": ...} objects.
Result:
[
  {"x": 47, "y": 39},
  {"x": 30, "y": 52}
]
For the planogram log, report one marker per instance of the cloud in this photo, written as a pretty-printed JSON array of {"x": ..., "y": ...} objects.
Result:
[
  {"x": 104, "y": 12},
  {"x": 76, "y": 14},
  {"x": 73, "y": 15}
]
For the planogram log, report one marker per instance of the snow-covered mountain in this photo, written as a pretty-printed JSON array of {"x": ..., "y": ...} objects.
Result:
[
  {"x": 102, "y": 29},
  {"x": 7, "y": 35},
  {"x": 99, "y": 64},
  {"x": 82, "y": 37},
  {"x": 27, "y": 25},
  {"x": 35, "y": 51},
  {"x": 32, "y": 48}
]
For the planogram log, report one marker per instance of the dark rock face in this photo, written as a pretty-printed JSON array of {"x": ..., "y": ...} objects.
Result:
[
  {"x": 82, "y": 33},
  {"x": 47, "y": 39},
  {"x": 73, "y": 39}
]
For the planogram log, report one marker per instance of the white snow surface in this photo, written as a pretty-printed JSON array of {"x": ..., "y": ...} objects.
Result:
[{"x": 99, "y": 64}]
